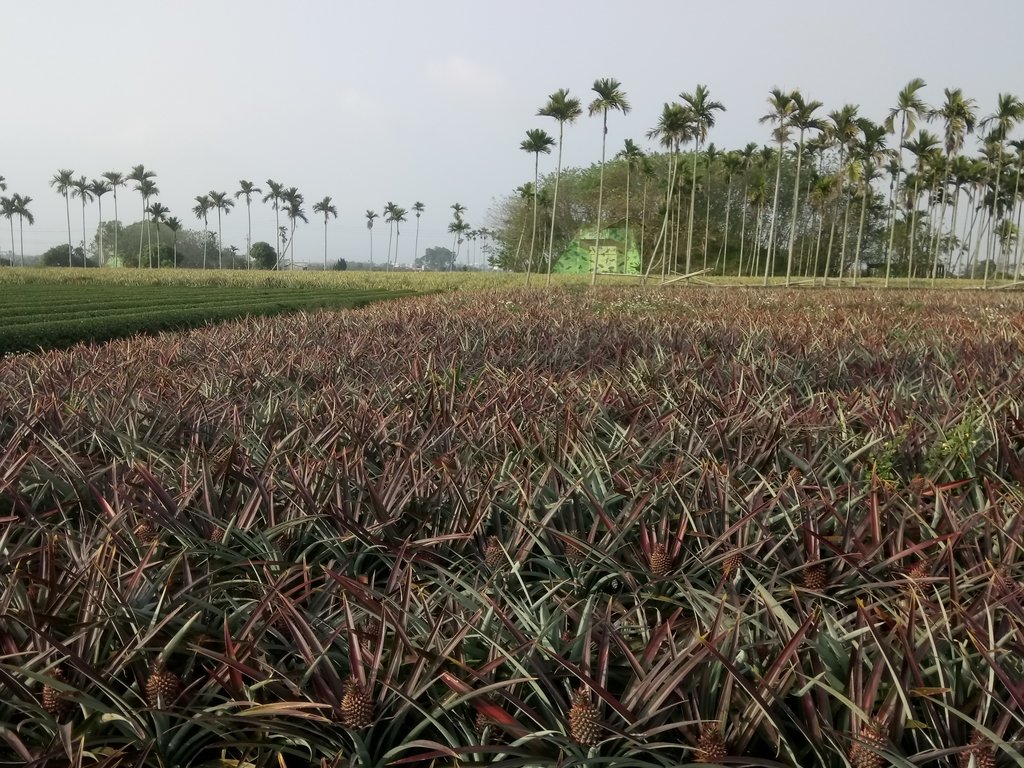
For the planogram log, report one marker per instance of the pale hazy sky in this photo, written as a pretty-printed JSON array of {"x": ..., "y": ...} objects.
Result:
[{"x": 370, "y": 102}]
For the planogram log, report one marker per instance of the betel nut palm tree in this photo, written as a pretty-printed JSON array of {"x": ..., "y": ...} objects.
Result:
[{"x": 610, "y": 97}]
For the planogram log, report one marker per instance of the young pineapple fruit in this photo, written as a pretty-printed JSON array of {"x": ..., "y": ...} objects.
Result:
[
  {"x": 356, "y": 706},
  {"x": 732, "y": 563},
  {"x": 145, "y": 533},
  {"x": 574, "y": 553},
  {"x": 872, "y": 735},
  {"x": 815, "y": 576},
  {"x": 981, "y": 750},
  {"x": 55, "y": 701},
  {"x": 494, "y": 556},
  {"x": 162, "y": 687},
  {"x": 711, "y": 745},
  {"x": 584, "y": 719},
  {"x": 659, "y": 561}
]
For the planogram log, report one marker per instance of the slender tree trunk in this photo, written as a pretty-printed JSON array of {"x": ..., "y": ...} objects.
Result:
[
  {"x": 938, "y": 240},
  {"x": 325, "y": 242},
  {"x": 860, "y": 233},
  {"x": 398, "y": 234},
  {"x": 913, "y": 232},
  {"x": 728, "y": 211},
  {"x": 416, "y": 242},
  {"x": 626, "y": 246},
  {"x": 994, "y": 234},
  {"x": 842, "y": 243},
  {"x": 158, "y": 244},
  {"x": 248, "y": 236},
  {"x": 142, "y": 231},
  {"x": 206, "y": 241},
  {"x": 1016, "y": 250},
  {"x": 743, "y": 223},
  {"x": 67, "y": 207},
  {"x": 533, "y": 228},
  {"x": 371, "y": 248},
  {"x": 707, "y": 217},
  {"x": 554, "y": 204},
  {"x": 175, "y": 233},
  {"x": 831, "y": 240},
  {"x": 662, "y": 238},
  {"x": 775, "y": 212},
  {"x": 643, "y": 225},
  {"x": 99, "y": 258},
  {"x": 600, "y": 200},
  {"x": 817, "y": 246},
  {"x": 796, "y": 208},
  {"x": 21, "y": 237},
  {"x": 117, "y": 226},
  {"x": 220, "y": 242},
  {"x": 11, "y": 221},
  {"x": 391, "y": 234},
  {"x": 952, "y": 231},
  {"x": 693, "y": 200},
  {"x": 277, "y": 239},
  {"x": 85, "y": 261},
  {"x": 894, "y": 190}
]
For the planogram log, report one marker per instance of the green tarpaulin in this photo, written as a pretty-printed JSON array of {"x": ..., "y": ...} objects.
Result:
[{"x": 616, "y": 255}]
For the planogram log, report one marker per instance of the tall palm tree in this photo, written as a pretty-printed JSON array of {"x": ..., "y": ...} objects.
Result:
[
  {"x": 8, "y": 209},
  {"x": 247, "y": 189},
  {"x": 564, "y": 109},
  {"x": 63, "y": 181},
  {"x": 418, "y": 209},
  {"x": 328, "y": 209},
  {"x": 674, "y": 127},
  {"x": 143, "y": 185},
  {"x": 173, "y": 223},
  {"x": 782, "y": 107},
  {"x": 389, "y": 209},
  {"x": 157, "y": 215},
  {"x": 1009, "y": 112},
  {"x": 749, "y": 157},
  {"x": 370, "y": 216},
  {"x": 959, "y": 116},
  {"x": 923, "y": 147},
  {"x": 537, "y": 142},
  {"x": 702, "y": 112},
  {"x": 275, "y": 196},
  {"x": 202, "y": 210},
  {"x": 803, "y": 120},
  {"x": 910, "y": 109},
  {"x": 293, "y": 201},
  {"x": 222, "y": 204},
  {"x": 1018, "y": 160},
  {"x": 115, "y": 179},
  {"x": 843, "y": 128},
  {"x": 80, "y": 188},
  {"x": 21, "y": 203},
  {"x": 733, "y": 164},
  {"x": 398, "y": 216},
  {"x": 610, "y": 96},
  {"x": 98, "y": 188},
  {"x": 457, "y": 228},
  {"x": 633, "y": 156}
]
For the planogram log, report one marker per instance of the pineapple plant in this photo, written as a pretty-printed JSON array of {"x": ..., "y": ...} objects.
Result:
[
  {"x": 711, "y": 744},
  {"x": 55, "y": 701},
  {"x": 584, "y": 719},
  {"x": 872, "y": 737},
  {"x": 162, "y": 687},
  {"x": 659, "y": 560},
  {"x": 919, "y": 570},
  {"x": 981, "y": 750},
  {"x": 356, "y": 706}
]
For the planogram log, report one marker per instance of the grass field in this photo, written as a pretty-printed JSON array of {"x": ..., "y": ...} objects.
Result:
[{"x": 626, "y": 527}]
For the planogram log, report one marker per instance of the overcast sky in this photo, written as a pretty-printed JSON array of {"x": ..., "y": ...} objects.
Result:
[{"x": 370, "y": 102}]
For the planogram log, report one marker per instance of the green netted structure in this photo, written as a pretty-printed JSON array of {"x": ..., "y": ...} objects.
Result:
[{"x": 617, "y": 256}]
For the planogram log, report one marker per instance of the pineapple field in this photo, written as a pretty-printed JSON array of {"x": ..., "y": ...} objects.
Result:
[{"x": 623, "y": 527}]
